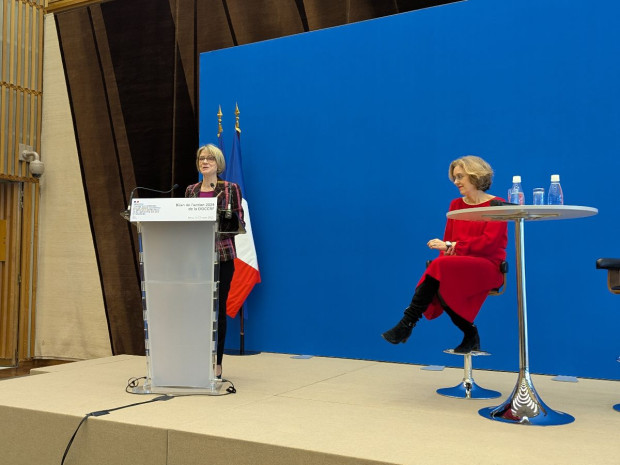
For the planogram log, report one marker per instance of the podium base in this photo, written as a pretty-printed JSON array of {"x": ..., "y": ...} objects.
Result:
[{"x": 212, "y": 390}]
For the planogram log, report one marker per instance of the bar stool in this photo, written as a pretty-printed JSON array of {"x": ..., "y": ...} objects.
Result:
[
  {"x": 612, "y": 265},
  {"x": 468, "y": 389}
]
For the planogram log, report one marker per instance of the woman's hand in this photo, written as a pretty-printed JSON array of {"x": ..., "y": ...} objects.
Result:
[{"x": 438, "y": 244}]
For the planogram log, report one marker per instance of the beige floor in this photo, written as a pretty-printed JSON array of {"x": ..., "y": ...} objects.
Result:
[{"x": 298, "y": 411}]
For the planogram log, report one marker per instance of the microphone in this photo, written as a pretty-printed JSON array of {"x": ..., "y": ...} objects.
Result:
[
  {"x": 228, "y": 210},
  {"x": 499, "y": 203},
  {"x": 127, "y": 213},
  {"x": 228, "y": 214}
]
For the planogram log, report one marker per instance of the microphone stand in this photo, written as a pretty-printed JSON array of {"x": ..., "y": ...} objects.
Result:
[{"x": 126, "y": 214}]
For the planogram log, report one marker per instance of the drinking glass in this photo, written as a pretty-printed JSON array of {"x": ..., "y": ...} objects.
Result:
[{"x": 538, "y": 196}]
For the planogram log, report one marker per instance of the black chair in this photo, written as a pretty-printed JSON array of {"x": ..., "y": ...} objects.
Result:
[
  {"x": 468, "y": 389},
  {"x": 612, "y": 265},
  {"x": 503, "y": 267}
]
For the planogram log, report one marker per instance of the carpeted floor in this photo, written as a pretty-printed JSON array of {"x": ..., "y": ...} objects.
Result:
[{"x": 297, "y": 411}]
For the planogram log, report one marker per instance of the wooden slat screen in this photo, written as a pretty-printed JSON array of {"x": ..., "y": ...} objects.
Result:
[
  {"x": 9, "y": 272},
  {"x": 21, "y": 83}
]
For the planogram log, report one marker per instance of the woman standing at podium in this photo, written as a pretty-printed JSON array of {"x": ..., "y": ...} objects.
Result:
[
  {"x": 210, "y": 163},
  {"x": 468, "y": 266}
]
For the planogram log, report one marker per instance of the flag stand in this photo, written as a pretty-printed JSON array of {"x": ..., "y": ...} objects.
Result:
[
  {"x": 241, "y": 350},
  {"x": 241, "y": 333}
]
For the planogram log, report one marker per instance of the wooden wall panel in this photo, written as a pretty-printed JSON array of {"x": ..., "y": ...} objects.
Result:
[
  {"x": 20, "y": 102},
  {"x": 3, "y": 240},
  {"x": 20, "y": 83},
  {"x": 27, "y": 279},
  {"x": 9, "y": 273}
]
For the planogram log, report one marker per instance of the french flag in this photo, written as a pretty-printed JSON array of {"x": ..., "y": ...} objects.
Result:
[{"x": 247, "y": 273}]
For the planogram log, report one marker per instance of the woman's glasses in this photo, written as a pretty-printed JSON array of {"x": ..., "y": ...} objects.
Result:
[{"x": 210, "y": 159}]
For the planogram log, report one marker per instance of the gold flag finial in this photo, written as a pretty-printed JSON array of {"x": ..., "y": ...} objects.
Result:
[
  {"x": 237, "y": 112},
  {"x": 219, "y": 121}
]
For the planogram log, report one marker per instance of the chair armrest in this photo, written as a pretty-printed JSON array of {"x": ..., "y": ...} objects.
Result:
[
  {"x": 612, "y": 265},
  {"x": 608, "y": 263}
]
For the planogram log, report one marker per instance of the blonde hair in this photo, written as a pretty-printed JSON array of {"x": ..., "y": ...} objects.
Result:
[
  {"x": 479, "y": 171},
  {"x": 216, "y": 152}
]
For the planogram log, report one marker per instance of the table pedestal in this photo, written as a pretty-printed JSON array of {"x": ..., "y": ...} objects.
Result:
[{"x": 524, "y": 406}]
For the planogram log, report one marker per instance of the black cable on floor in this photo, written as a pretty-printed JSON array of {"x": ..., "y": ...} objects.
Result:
[
  {"x": 132, "y": 383},
  {"x": 105, "y": 412}
]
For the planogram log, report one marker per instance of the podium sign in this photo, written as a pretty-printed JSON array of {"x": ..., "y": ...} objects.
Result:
[
  {"x": 179, "y": 293},
  {"x": 198, "y": 209}
]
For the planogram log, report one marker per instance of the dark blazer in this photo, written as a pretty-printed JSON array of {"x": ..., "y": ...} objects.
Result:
[{"x": 225, "y": 192}]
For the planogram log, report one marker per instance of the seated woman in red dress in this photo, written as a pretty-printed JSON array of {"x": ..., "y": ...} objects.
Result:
[{"x": 468, "y": 266}]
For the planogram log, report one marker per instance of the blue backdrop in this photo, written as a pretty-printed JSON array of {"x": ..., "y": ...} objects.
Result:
[{"x": 347, "y": 135}]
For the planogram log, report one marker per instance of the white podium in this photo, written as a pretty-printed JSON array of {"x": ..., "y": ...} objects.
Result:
[{"x": 178, "y": 268}]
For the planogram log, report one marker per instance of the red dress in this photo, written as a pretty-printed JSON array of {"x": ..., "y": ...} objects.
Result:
[{"x": 466, "y": 278}]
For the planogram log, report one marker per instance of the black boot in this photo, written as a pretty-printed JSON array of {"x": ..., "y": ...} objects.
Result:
[
  {"x": 400, "y": 332},
  {"x": 470, "y": 342},
  {"x": 423, "y": 296}
]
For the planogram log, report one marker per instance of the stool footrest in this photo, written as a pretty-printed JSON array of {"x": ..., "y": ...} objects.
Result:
[{"x": 473, "y": 353}]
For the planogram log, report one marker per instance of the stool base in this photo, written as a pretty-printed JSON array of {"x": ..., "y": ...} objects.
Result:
[{"x": 468, "y": 389}]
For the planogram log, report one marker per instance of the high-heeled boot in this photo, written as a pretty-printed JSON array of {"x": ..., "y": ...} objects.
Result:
[
  {"x": 420, "y": 301},
  {"x": 471, "y": 339},
  {"x": 470, "y": 342},
  {"x": 400, "y": 332}
]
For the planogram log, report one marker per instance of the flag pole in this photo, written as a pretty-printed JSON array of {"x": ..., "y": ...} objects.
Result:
[
  {"x": 241, "y": 315},
  {"x": 220, "y": 130},
  {"x": 219, "y": 121},
  {"x": 247, "y": 273}
]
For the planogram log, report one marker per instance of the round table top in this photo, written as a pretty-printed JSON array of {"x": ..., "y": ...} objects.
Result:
[{"x": 525, "y": 212}]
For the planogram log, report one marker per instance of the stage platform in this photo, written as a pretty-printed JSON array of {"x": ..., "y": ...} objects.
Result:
[{"x": 297, "y": 411}]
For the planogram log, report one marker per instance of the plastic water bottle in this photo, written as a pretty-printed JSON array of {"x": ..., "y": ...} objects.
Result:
[
  {"x": 516, "y": 194},
  {"x": 555, "y": 196}
]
